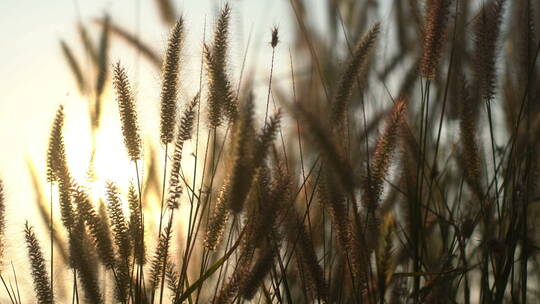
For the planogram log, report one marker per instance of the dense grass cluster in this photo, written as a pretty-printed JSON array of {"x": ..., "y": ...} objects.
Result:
[{"x": 424, "y": 193}]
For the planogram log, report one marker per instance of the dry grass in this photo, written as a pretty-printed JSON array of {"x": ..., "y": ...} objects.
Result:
[{"x": 313, "y": 203}]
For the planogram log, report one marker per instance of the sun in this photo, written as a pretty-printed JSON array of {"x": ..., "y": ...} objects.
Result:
[{"x": 96, "y": 156}]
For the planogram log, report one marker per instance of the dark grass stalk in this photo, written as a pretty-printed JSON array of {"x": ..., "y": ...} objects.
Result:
[
  {"x": 75, "y": 293},
  {"x": 446, "y": 90},
  {"x": 332, "y": 198},
  {"x": 189, "y": 252},
  {"x": 87, "y": 43},
  {"x": 185, "y": 129},
  {"x": 358, "y": 60},
  {"x": 51, "y": 232},
  {"x": 206, "y": 206},
  {"x": 225, "y": 290},
  {"x": 260, "y": 269},
  {"x": 244, "y": 59},
  {"x": 102, "y": 71},
  {"x": 273, "y": 43},
  {"x": 163, "y": 186},
  {"x": 242, "y": 170},
  {"x": 321, "y": 137},
  {"x": 74, "y": 65},
  {"x": 152, "y": 56},
  {"x": 165, "y": 259},
  {"x": 167, "y": 11},
  {"x": 313, "y": 53},
  {"x": 416, "y": 217},
  {"x": 204, "y": 276},
  {"x": 2, "y": 221},
  {"x": 11, "y": 296},
  {"x": 57, "y": 169},
  {"x": 301, "y": 152},
  {"x": 192, "y": 217},
  {"x": 16, "y": 282},
  {"x": 487, "y": 30},
  {"x": 290, "y": 253},
  {"x": 306, "y": 258},
  {"x": 101, "y": 239},
  {"x": 140, "y": 274},
  {"x": 191, "y": 242},
  {"x": 214, "y": 159}
]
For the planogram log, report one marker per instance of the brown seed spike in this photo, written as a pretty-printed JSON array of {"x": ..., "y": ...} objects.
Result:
[
  {"x": 128, "y": 115},
  {"x": 486, "y": 33},
  {"x": 56, "y": 151},
  {"x": 136, "y": 226},
  {"x": 275, "y": 37},
  {"x": 348, "y": 79},
  {"x": 470, "y": 156},
  {"x": 169, "y": 89},
  {"x": 118, "y": 222},
  {"x": 380, "y": 161},
  {"x": 216, "y": 224},
  {"x": 434, "y": 36},
  {"x": 42, "y": 287},
  {"x": 242, "y": 168},
  {"x": 221, "y": 36},
  {"x": 221, "y": 98}
]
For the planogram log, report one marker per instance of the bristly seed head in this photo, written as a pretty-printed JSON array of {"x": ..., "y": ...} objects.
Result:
[
  {"x": 56, "y": 156},
  {"x": 487, "y": 29},
  {"x": 169, "y": 89},
  {"x": 275, "y": 38},
  {"x": 42, "y": 286},
  {"x": 222, "y": 100},
  {"x": 216, "y": 224},
  {"x": 128, "y": 115},
  {"x": 434, "y": 36}
]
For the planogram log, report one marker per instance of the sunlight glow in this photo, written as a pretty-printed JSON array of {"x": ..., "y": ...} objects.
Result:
[{"x": 106, "y": 161}]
